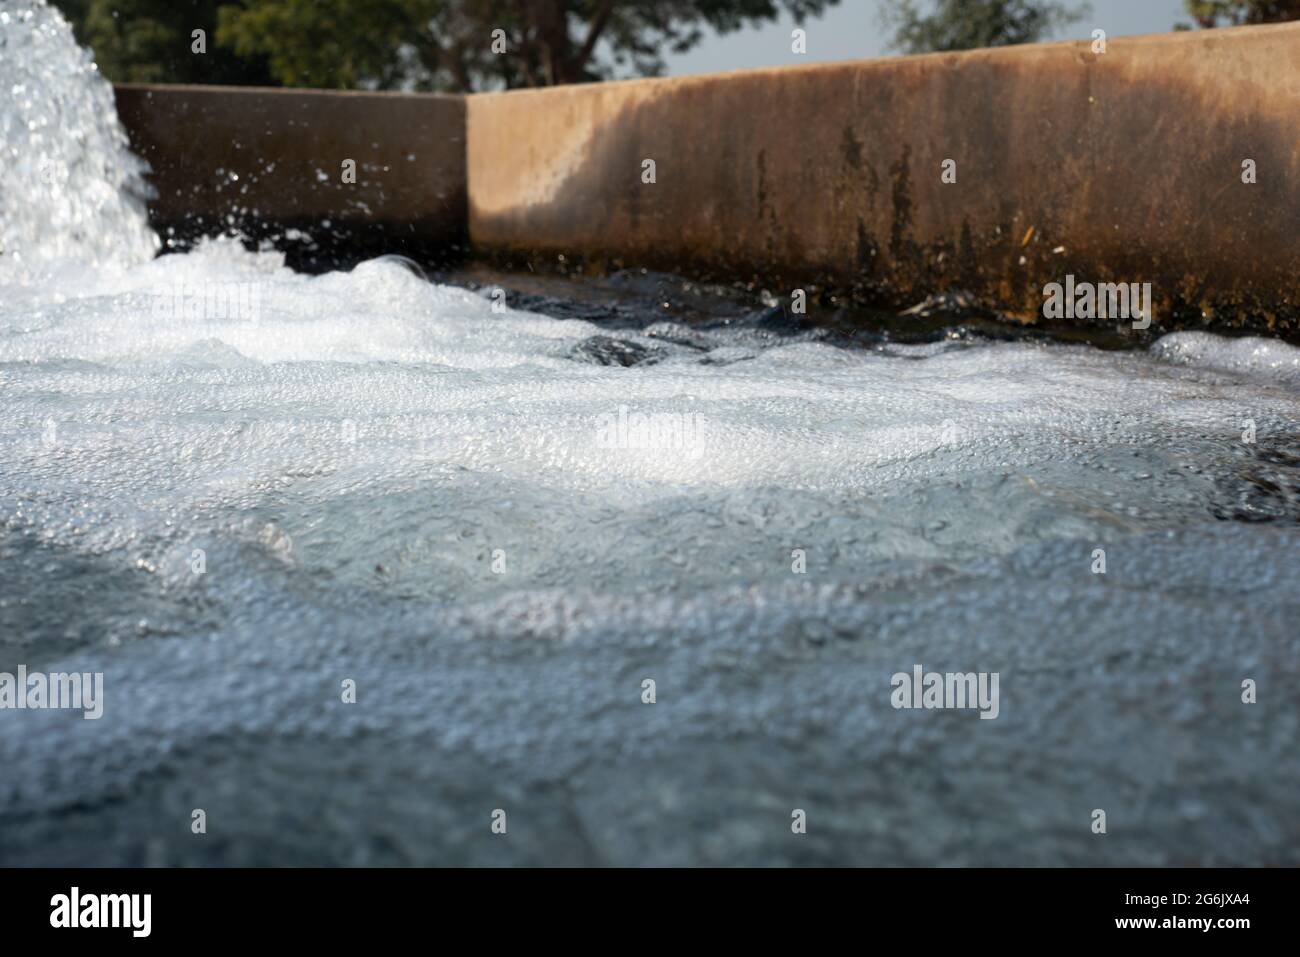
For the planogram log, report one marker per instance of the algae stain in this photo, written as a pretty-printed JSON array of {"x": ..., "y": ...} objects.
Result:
[
  {"x": 851, "y": 147},
  {"x": 902, "y": 194}
]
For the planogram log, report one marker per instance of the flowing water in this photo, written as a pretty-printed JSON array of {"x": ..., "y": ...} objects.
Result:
[{"x": 233, "y": 489}]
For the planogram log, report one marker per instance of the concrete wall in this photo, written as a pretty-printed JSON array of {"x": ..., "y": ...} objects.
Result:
[
  {"x": 286, "y": 148},
  {"x": 1123, "y": 166}
]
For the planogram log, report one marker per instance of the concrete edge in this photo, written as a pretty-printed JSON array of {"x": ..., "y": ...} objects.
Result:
[{"x": 1122, "y": 167}]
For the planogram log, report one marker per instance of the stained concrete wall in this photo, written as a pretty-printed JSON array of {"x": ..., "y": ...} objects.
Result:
[
  {"x": 1124, "y": 166},
  {"x": 1119, "y": 166},
  {"x": 267, "y": 159}
]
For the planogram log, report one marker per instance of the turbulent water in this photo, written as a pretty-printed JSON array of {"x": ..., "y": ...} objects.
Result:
[
  {"x": 233, "y": 489},
  {"x": 73, "y": 193}
]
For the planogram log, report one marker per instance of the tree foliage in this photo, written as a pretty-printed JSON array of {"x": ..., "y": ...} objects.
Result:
[
  {"x": 1232, "y": 13},
  {"x": 333, "y": 43},
  {"x": 449, "y": 44},
  {"x": 968, "y": 24},
  {"x": 408, "y": 44},
  {"x": 151, "y": 41}
]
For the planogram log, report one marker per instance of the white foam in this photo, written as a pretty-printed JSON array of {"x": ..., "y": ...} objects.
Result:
[
  {"x": 1270, "y": 358},
  {"x": 374, "y": 378}
]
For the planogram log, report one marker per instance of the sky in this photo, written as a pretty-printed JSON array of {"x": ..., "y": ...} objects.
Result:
[{"x": 853, "y": 31}]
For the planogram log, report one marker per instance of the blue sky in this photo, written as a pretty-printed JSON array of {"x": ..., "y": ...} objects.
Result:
[{"x": 853, "y": 31}]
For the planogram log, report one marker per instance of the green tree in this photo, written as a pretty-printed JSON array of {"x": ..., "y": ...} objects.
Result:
[
  {"x": 337, "y": 43},
  {"x": 151, "y": 41},
  {"x": 1233, "y": 13},
  {"x": 970, "y": 24},
  {"x": 73, "y": 10},
  {"x": 448, "y": 44}
]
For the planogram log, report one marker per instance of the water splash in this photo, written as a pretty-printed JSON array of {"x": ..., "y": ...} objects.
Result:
[{"x": 74, "y": 194}]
